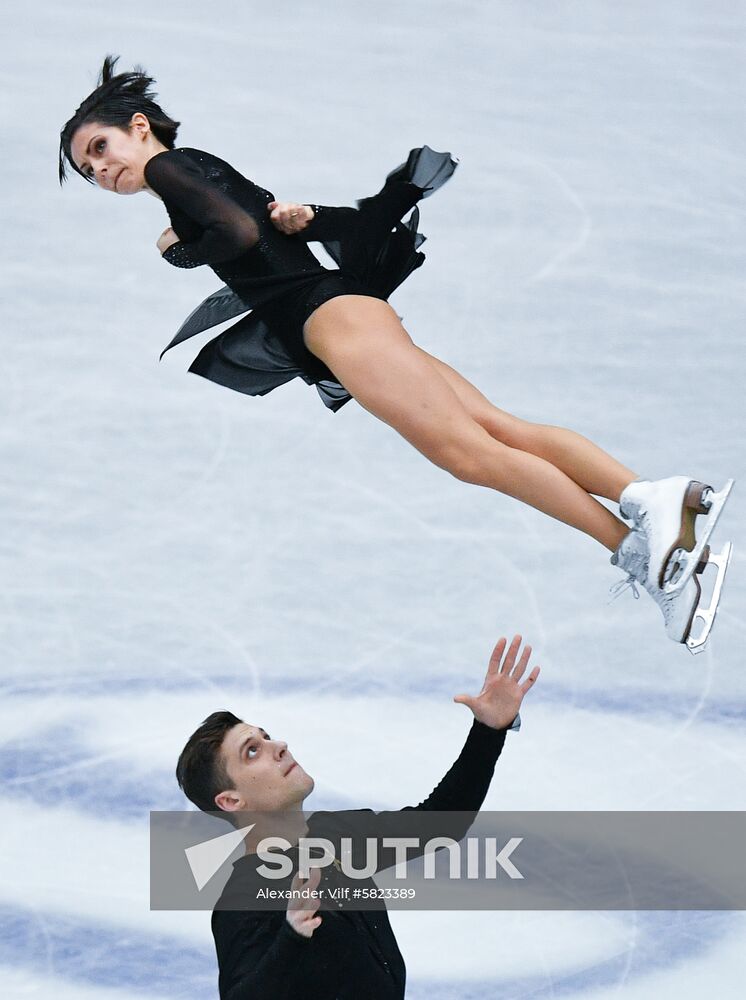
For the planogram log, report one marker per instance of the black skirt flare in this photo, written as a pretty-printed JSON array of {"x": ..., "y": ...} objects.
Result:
[{"x": 375, "y": 251}]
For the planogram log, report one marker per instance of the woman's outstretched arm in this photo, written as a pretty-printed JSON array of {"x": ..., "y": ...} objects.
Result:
[{"x": 228, "y": 229}]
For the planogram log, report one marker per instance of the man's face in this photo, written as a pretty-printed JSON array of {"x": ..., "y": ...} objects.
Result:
[{"x": 262, "y": 771}]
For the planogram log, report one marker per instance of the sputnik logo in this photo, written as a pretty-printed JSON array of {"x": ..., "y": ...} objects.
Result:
[{"x": 206, "y": 858}]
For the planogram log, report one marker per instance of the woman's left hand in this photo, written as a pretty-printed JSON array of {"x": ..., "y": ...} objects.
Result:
[
  {"x": 167, "y": 239},
  {"x": 289, "y": 217}
]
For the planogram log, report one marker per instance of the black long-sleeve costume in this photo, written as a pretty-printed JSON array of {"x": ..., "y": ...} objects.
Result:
[
  {"x": 221, "y": 219},
  {"x": 352, "y": 955}
]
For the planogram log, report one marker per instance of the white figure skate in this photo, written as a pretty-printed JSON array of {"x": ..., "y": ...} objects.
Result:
[
  {"x": 666, "y": 511},
  {"x": 681, "y": 608}
]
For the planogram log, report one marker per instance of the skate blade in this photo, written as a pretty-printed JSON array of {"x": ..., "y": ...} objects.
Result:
[
  {"x": 707, "y": 615},
  {"x": 689, "y": 560}
]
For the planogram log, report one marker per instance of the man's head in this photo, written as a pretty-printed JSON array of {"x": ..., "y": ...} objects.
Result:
[{"x": 230, "y": 765}]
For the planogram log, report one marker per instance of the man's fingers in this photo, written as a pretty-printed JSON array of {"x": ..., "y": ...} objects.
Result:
[
  {"x": 312, "y": 882},
  {"x": 497, "y": 654},
  {"x": 464, "y": 699},
  {"x": 512, "y": 653},
  {"x": 520, "y": 668},
  {"x": 310, "y": 903},
  {"x": 530, "y": 680}
]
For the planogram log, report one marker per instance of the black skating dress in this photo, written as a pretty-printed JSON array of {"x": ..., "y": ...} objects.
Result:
[{"x": 216, "y": 213}]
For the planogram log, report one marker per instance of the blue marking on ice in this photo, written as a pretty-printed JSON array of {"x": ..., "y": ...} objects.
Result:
[
  {"x": 159, "y": 965},
  {"x": 639, "y": 702}
]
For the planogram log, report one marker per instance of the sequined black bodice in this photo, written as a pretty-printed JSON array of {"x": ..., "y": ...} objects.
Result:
[{"x": 221, "y": 219}]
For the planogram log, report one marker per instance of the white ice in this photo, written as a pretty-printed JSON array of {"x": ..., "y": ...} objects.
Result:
[{"x": 171, "y": 548}]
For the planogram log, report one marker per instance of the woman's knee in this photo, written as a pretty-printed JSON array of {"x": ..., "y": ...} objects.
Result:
[
  {"x": 466, "y": 459},
  {"x": 510, "y": 430}
]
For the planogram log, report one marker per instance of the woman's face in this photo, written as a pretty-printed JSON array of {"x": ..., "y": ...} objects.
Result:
[{"x": 115, "y": 157}]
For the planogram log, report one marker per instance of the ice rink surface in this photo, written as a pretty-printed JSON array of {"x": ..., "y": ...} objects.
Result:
[{"x": 171, "y": 548}]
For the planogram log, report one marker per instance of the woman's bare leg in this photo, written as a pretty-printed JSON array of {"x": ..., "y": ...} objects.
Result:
[
  {"x": 362, "y": 341},
  {"x": 584, "y": 462}
]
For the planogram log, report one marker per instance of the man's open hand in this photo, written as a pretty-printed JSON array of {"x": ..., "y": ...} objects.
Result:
[{"x": 499, "y": 701}]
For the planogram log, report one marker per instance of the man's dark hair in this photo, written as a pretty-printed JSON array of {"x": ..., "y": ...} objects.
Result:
[
  {"x": 201, "y": 770},
  {"x": 114, "y": 101}
]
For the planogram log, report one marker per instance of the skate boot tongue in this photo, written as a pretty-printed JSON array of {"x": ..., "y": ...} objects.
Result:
[{"x": 633, "y": 557}]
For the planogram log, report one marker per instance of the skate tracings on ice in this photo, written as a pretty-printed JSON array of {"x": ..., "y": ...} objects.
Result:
[
  {"x": 171, "y": 549},
  {"x": 576, "y": 244}
]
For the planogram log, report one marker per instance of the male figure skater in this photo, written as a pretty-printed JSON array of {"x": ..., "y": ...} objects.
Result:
[{"x": 345, "y": 954}]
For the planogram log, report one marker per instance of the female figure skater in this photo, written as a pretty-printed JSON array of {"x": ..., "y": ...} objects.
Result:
[{"x": 335, "y": 329}]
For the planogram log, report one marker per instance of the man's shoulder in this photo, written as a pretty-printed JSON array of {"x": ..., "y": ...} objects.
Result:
[{"x": 331, "y": 816}]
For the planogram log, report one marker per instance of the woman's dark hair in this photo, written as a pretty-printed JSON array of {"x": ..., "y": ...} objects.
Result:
[
  {"x": 201, "y": 770},
  {"x": 114, "y": 101}
]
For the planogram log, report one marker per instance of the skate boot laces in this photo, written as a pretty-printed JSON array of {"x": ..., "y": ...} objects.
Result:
[
  {"x": 632, "y": 557},
  {"x": 617, "y": 589}
]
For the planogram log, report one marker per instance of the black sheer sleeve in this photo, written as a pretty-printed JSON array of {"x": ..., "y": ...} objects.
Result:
[{"x": 228, "y": 229}]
